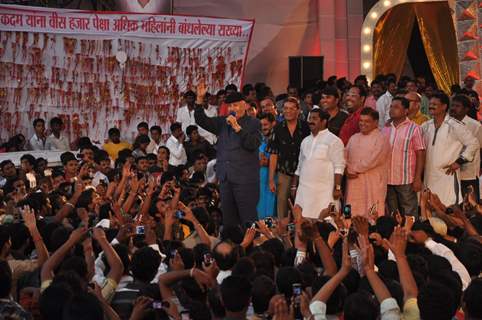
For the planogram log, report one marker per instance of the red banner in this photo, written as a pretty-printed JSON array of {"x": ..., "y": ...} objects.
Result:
[{"x": 97, "y": 70}]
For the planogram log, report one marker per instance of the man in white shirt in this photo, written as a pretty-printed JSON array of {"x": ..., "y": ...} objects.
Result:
[
  {"x": 185, "y": 116},
  {"x": 469, "y": 173},
  {"x": 37, "y": 141},
  {"x": 175, "y": 145},
  {"x": 56, "y": 141},
  {"x": 384, "y": 102},
  {"x": 320, "y": 167},
  {"x": 450, "y": 145},
  {"x": 156, "y": 143}
]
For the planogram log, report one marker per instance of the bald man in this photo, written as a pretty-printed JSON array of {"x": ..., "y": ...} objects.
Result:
[{"x": 414, "y": 112}]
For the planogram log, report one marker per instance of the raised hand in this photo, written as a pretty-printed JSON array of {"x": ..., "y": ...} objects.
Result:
[
  {"x": 29, "y": 217},
  {"x": 398, "y": 241}
]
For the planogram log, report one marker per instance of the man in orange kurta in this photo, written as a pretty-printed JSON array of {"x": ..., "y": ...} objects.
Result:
[{"x": 367, "y": 156}]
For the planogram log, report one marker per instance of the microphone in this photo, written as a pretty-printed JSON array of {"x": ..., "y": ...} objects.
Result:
[{"x": 232, "y": 113}]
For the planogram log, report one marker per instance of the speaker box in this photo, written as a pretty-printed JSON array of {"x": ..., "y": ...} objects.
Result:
[{"x": 305, "y": 71}]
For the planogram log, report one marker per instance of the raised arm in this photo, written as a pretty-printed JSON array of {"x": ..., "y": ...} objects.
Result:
[
  {"x": 31, "y": 224},
  {"x": 398, "y": 244},
  {"x": 115, "y": 263},
  {"x": 207, "y": 123},
  {"x": 327, "y": 290},
  {"x": 56, "y": 258}
]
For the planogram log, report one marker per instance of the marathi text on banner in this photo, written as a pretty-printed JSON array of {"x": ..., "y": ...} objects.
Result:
[{"x": 142, "y": 25}]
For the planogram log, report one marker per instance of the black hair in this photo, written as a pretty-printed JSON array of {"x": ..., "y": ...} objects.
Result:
[
  {"x": 37, "y": 121},
  {"x": 436, "y": 302},
  {"x": 84, "y": 141},
  {"x": 66, "y": 157},
  {"x": 231, "y": 86},
  {"x": 321, "y": 113},
  {"x": 83, "y": 306},
  {"x": 101, "y": 155},
  {"x": 367, "y": 111},
  {"x": 245, "y": 268},
  {"x": 263, "y": 290},
  {"x": 145, "y": 263},
  {"x": 331, "y": 91},
  {"x": 285, "y": 278},
  {"x": 156, "y": 128},
  {"x": 189, "y": 93},
  {"x": 444, "y": 99},
  {"x": 76, "y": 264},
  {"x": 268, "y": 116},
  {"x": 56, "y": 121},
  {"x": 334, "y": 304},
  {"x": 275, "y": 247},
  {"x": 29, "y": 158},
  {"x": 464, "y": 100},
  {"x": 143, "y": 138},
  {"x": 362, "y": 91},
  {"x": 471, "y": 299},
  {"x": 143, "y": 124},
  {"x": 353, "y": 311},
  {"x": 236, "y": 293},
  {"x": 53, "y": 299},
  {"x": 175, "y": 126},
  {"x": 113, "y": 131},
  {"x": 190, "y": 129},
  {"x": 404, "y": 101}
]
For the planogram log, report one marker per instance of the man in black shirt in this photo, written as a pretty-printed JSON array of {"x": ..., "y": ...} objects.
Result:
[
  {"x": 284, "y": 148},
  {"x": 197, "y": 144},
  {"x": 237, "y": 162},
  {"x": 329, "y": 102}
]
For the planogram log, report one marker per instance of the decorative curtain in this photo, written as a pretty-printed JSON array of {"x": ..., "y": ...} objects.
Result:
[
  {"x": 438, "y": 36},
  {"x": 391, "y": 38}
]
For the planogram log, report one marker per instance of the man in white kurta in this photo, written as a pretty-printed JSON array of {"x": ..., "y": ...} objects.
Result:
[
  {"x": 320, "y": 167},
  {"x": 449, "y": 146}
]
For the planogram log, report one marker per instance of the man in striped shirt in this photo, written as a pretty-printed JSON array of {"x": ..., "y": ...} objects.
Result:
[{"x": 407, "y": 161}]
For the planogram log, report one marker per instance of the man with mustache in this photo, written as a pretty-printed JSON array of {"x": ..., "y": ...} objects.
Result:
[
  {"x": 355, "y": 100},
  {"x": 367, "y": 160},
  {"x": 284, "y": 149},
  {"x": 320, "y": 167},
  {"x": 450, "y": 145}
]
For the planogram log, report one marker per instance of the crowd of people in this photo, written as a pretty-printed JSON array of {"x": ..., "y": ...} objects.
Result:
[{"x": 342, "y": 201}]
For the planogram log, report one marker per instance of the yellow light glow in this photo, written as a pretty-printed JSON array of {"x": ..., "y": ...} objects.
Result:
[
  {"x": 374, "y": 15},
  {"x": 366, "y": 48},
  {"x": 366, "y": 65},
  {"x": 386, "y": 3},
  {"x": 366, "y": 30}
]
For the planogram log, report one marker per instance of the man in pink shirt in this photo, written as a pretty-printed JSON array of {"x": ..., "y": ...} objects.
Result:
[{"x": 407, "y": 159}]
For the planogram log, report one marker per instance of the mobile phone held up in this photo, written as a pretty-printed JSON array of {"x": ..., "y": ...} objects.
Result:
[
  {"x": 347, "y": 211},
  {"x": 140, "y": 230},
  {"x": 179, "y": 214}
]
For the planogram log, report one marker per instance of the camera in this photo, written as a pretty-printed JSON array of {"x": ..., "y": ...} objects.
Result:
[
  {"x": 268, "y": 222},
  {"x": 140, "y": 230},
  {"x": 291, "y": 227},
  {"x": 347, "y": 211},
  {"x": 208, "y": 259},
  {"x": 179, "y": 214}
]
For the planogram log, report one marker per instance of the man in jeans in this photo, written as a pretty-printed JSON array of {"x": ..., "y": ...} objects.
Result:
[
  {"x": 407, "y": 159},
  {"x": 284, "y": 148}
]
